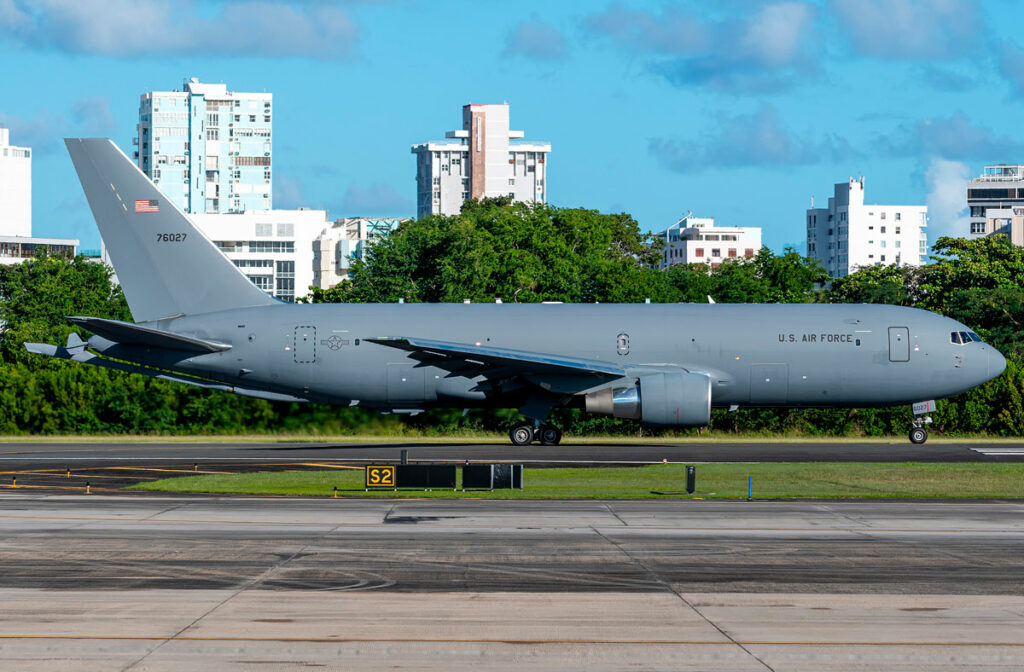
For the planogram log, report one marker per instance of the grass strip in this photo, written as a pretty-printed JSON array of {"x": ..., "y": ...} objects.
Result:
[{"x": 817, "y": 480}]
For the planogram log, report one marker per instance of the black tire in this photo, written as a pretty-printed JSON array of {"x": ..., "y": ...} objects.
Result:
[
  {"x": 549, "y": 435},
  {"x": 521, "y": 435},
  {"x": 918, "y": 435}
]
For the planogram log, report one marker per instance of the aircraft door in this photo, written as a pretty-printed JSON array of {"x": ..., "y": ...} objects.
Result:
[
  {"x": 899, "y": 344},
  {"x": 304, "y": 345},
  {"x": 769, "y": 383}
]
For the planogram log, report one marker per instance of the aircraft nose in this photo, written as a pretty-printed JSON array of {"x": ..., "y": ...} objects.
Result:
[{"x": 996, "y": 363}]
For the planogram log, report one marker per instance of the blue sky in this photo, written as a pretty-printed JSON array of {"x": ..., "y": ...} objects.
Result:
[{"x": 740, "y": 110}]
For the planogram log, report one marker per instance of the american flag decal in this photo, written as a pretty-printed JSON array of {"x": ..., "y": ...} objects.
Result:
[{"x": 147, "y": 206}]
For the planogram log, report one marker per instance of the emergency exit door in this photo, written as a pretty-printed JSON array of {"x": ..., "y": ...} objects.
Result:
[
  {"x": 304, "y": 345},
  {"x": 899, "y": 344}
]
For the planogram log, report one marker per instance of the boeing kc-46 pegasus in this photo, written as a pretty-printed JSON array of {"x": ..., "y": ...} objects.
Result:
[{"x": 200, "y": 321}]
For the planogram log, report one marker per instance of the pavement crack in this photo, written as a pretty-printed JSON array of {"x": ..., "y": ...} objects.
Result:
[
  {"x": 167, "y": 510},
  {"x": 256, "y": 580},
  {"x": 669, "y": 587},
  {"x": 610, "y": 510},
  {"x": 388, "y": 514}
]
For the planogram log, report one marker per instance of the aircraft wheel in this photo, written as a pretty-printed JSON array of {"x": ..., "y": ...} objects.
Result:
[
  {"x": 549, "y": 435},
  {"x": 918, "y": 435},
  {"x": 521, "y": 435}
]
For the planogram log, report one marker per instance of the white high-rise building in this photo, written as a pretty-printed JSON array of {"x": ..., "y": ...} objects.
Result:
[
  {"x": 207, "y": 148},
  {"x": 696, "y": 240},
  {"x": 15, "y": 188},
  {"x": 482, "y": 159},
  {"x": 16, "y": 241},
  {"x": 848, "y": 235},
  {"x": 274, "y": 248},
  {"x": 344, "y": 241}
]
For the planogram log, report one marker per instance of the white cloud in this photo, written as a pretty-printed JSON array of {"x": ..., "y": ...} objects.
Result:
[
  {"x": 137, "y": 27},
  {"x": 910, "y": 29},
  {"x": 946, "y": 200},
  {"x": 669, "y": 32},
  {"x": 954, "y": 137},
  {"x": 774, "y": 36},
  {"x": 758, "y": 139},
  {"x": 763, "y": 50},
  {"x": 535, "y": 39}
]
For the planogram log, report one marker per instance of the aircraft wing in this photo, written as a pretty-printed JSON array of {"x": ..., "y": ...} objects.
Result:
[{"x": 567, "y": 374}]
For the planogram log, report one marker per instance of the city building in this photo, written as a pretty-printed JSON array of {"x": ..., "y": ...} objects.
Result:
[
  {"x": 342, "y": 242},
  {"x": 848, "y": 235},
  {"x": 274, "y": 248},
  {"x": 15, "y": 187},
  {"x": 696, "y": 240},
  {"x": 207, "y": 148},
  {"x": 16, "y": 249},
  {"x": 482, "y": 159},
  {"x": 996, "y": 202},
  {"x": 16, "y": 241}
]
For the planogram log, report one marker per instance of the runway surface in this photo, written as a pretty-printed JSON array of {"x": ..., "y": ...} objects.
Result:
[
  {"x": 110, "y": 466},
  {"x": 153, "y": 583},
  {"x": 770, "y": 450}
]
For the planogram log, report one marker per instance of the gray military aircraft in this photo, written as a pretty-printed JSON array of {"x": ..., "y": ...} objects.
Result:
[{"x": 201, "y": 322}]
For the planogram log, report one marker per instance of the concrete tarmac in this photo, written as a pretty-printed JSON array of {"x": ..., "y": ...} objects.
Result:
[{"x": 154, "y": 583}]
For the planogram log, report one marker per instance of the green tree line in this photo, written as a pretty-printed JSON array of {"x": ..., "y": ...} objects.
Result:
[{"x": 516, "y": 252}]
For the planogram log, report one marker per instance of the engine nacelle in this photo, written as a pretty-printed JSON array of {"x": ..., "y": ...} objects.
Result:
[{"x": 659, "y": 399}]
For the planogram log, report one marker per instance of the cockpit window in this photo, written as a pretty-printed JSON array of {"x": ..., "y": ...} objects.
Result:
[{"x": 963, "y": 337}]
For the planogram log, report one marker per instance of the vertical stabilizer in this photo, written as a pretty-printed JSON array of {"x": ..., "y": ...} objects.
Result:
[{"x": 165, "y": 265}]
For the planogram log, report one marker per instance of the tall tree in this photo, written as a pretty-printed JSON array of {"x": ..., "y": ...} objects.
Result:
[
  {"x": 516, "y": 252},
  {"x": 36, "y": 296}
]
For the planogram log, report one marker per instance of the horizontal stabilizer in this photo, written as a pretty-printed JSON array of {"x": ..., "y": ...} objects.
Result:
[
  {"x": 127, "y": 333},
  {"x": 85, "y": 357}
]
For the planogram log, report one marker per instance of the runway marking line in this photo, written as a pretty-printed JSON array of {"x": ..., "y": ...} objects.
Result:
[
  {"x": 76, "y": 488},
  {"x": 500, "y": 640},
  {"x": 176, "y": 471},
  {"x": 80, "y": 474}
]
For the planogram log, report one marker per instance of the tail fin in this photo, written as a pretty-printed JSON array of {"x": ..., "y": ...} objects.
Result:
[{"x": 166, "y": 266}]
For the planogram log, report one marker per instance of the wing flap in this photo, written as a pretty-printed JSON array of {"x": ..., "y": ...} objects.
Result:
[{"x": 470, "y": 361}]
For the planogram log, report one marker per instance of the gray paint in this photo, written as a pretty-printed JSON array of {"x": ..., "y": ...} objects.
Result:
[{"x": 417, "y": 356}]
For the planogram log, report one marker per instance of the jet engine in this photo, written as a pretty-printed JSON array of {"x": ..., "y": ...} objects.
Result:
[{"x": 659, "y": 399}]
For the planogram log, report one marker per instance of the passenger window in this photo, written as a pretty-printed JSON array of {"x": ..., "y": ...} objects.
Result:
[{"x": 954, "y": 337}]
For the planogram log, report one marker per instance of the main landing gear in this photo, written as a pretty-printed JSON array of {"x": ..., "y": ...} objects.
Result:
[{"x": 524, "y": 435}]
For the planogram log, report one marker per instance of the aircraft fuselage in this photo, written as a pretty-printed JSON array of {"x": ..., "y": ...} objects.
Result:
[{"x": 804, "y": 355}]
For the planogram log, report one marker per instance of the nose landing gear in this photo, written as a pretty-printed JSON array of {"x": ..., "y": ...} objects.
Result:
[{"x": 918, "y": 431}]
